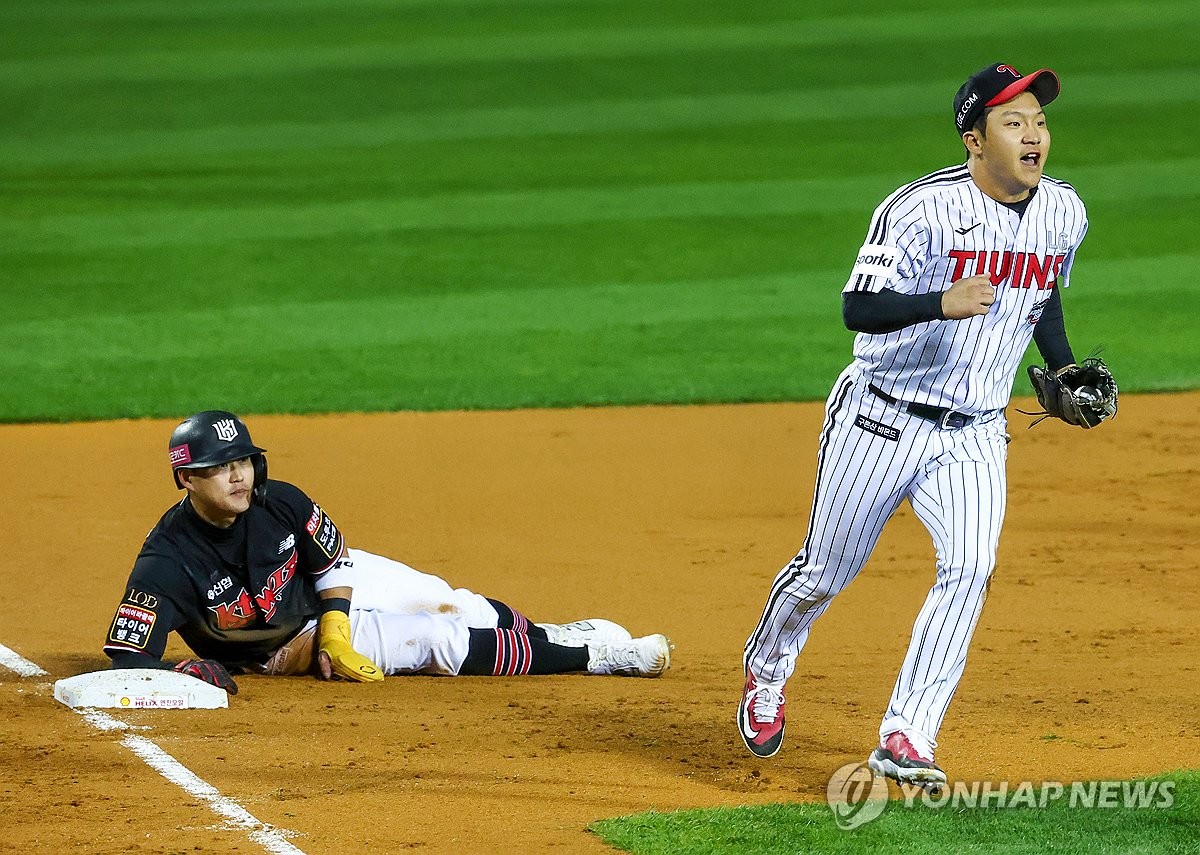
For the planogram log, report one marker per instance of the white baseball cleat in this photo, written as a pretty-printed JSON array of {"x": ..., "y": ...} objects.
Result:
[
  {"x": 641, "y": 657},
  {"x": 585, "y": 633}
]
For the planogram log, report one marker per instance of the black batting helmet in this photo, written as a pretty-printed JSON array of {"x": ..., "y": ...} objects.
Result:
[{"x": 214, "y": 437}]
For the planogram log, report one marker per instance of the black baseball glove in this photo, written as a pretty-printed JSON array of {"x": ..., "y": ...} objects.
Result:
[
  {"x": 1083, "y": 395},
  {"x": 210, "y": 671}
]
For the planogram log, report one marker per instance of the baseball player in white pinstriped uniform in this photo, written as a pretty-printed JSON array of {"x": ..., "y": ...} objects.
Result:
[{"x": 958, "y": 273}]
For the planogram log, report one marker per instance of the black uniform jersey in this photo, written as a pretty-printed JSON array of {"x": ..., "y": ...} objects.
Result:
[{"x": 233, "y": 594}]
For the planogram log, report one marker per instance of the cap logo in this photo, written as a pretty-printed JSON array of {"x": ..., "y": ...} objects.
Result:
[
  {"x": 181, "y": 455},
  {"x": 226, "y": 430},
  {"x": 1003, "y": 68}
]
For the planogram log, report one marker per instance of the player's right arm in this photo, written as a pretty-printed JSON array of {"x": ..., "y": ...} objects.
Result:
[
  {"x": 146, "y": 615},
  {"x": 968, "y": 297},
  {"x": 886, "y": 311}
]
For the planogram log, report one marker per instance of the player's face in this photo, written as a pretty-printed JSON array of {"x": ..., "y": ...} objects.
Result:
[
  {"x": 1012, "y": 156},
  {"x": 220, "y": 493}
]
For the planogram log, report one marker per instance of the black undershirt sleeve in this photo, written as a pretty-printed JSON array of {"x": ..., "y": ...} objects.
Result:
[
  {"x": 1050, "y": 334},
  {"x": 887, "y": 311}
]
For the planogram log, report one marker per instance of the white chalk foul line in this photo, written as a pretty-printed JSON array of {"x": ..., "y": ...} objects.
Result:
[
  {"x": 175, "y": 772},
  {"x": 14, "y": 661},
  {"x": 267, "y": 836}
]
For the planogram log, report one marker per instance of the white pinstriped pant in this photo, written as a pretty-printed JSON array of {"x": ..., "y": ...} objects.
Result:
[{"x": 955, "y": 481}]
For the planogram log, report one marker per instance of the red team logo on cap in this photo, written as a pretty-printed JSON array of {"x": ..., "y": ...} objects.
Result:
[
  {"x": 180, "y": 455},
  {"x": 1009, "y": 69}
]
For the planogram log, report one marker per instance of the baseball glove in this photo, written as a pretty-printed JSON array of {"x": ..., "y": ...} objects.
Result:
[
  {"x": 1083, "y": 395},
  {"x": 208, "y": 670}
]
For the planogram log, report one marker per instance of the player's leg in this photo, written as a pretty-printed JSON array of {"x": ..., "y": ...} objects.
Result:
[
  {"x": 869, "y": 453},
  {"x": 505, "y": 653},
  {"x": 862, "y": 476},
  {"x": 421, "y": 643},
  {"x": 383, "y": 584},
  {"x": 961, "y": 501},
  {"x": 443, "y": 644}
]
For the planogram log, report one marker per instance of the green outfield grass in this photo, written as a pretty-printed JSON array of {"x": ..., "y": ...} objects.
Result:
[
  {"x": 321, "y": 205},
  {"x": 1055, "y": 828}
]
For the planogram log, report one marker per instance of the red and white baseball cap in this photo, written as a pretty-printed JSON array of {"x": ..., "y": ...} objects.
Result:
[{"x": 996, "y": 84}]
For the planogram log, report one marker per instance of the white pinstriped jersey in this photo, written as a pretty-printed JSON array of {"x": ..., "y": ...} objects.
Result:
[{"x": 942, "y": 228}]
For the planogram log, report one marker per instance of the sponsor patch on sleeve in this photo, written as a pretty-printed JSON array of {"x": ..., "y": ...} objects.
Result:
[
  {"x": 327, "y": 537},
  {"x": 314, "y": 521},
  {"x": 876, "y": 259},
  {"x": 132, "y": 626}
]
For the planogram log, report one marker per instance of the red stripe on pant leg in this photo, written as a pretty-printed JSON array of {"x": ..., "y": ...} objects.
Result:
[
  {"x": 520, "y": 622},
  {"x": 512, "y": 653},
  {"x": 527, "y": 650},
  {"x": 499, "y": 651}
]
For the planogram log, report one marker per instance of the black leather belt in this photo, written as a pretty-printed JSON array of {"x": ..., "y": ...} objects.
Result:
[{"x": 943, "y": 418}]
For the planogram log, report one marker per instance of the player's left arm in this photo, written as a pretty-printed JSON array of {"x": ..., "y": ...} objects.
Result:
[
  {"x": 1050, "y": 335},
  {"x": 336, "y": 656},
  {"x": 321, "y": 549}
]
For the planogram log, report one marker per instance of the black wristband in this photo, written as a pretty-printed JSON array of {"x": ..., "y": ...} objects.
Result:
[{"x": 335, "y": 604}]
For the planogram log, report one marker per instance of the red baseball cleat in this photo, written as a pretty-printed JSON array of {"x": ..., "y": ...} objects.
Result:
[
  {"x": 760, "y": 717},
  {"x": 907, "y": 758}
]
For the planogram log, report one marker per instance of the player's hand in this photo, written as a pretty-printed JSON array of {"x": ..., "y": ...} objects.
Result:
[
  {"x": 336, "y": 658},
  {"x": 208, "y": 670},
  {"x": 969, "y": 297}
]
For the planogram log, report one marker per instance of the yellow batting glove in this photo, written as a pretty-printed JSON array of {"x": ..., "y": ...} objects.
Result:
[{"x": 333, "y": 631}]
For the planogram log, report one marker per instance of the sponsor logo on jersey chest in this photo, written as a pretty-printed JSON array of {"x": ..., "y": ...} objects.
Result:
[{"x": 220, "y": 587}]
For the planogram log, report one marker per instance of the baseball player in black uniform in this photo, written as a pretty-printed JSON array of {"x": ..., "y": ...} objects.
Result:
[{"x": 255, "y": 576}]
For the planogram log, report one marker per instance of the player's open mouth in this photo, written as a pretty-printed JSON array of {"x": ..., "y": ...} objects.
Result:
[{"x": 1031, "y": 159}]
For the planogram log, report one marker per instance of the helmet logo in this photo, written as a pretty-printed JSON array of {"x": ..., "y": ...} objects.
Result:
[
  {"x": 180, "y": 455},
  {"x": 226, "y": 429}
]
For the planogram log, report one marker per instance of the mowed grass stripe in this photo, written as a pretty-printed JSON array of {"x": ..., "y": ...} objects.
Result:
[
  {"x": 324, "y": 323},
  {"x": 1175, "y": 87},
  {"x": 764, "y": 338},
  {"x": 1131, "y": 182},
  {"x": 208, "y": 9},
  {"x": 809, "y": 297},
  {"x": 929, "y": 26}
]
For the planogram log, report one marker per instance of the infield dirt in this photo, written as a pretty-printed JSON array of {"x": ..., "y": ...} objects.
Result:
[{"x": 667, "y": 519}]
